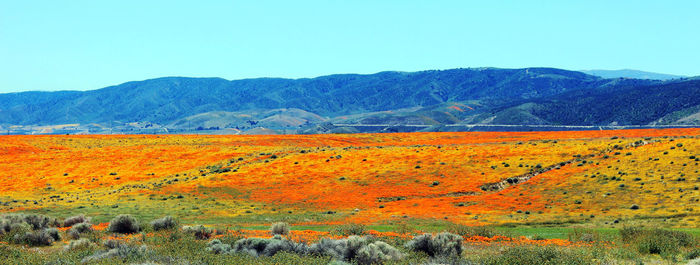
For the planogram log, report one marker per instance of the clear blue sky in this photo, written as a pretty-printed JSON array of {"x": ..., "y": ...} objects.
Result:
[{"x": 80, "y": 45}]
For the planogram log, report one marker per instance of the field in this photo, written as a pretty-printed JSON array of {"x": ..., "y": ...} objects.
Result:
[{"x": 542, "y": 185}]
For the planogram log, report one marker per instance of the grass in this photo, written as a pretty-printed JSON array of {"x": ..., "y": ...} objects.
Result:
[
  {"x": 176, "y": 247},
  {"x": 179, "y": 246},
  {"x": 560, "y": 232}
]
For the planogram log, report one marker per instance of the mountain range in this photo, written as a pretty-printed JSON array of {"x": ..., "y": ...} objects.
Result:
[
  {"x": 385, "y": 101},
  {"x": 629, "y": 73}
]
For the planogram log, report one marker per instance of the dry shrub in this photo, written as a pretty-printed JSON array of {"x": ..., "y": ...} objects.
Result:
[
  {"x": 70, "y": 221},
  {"x": 165, "y": 223},
  {"x": 279, "y": 228},
  {"x": 443, "y": 244},
  {"x": 124, "y": 224}
]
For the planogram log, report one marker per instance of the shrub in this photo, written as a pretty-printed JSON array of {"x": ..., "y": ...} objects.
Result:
[
  {"x": 4, "y": 227},
  {"x": 279, "y": 228},
  {"x": 165, "y": 223},
  {"x": 217, "y": 247},
  {"x": 422, "y": 243},
  {"x": 199, "y": 231},
  {"x": 53, "y": 232},
  {"x": 70, "y": 221},
  {"x": 34, "y": 238},
  {"x": 283, "y": 245},
  {"x": 443, "y": 244},
  {"x": 122, "y": 251},
  {"x": 82, "y": 227},
  {"x": 124, "y": 224},
  {"x": 252, "y": 246},
  {"x": 663, "y": 246},
  {"x": 342, "y": 249},
  {"x": 353, "y": 245},
  {"x": 629, "y": 233},
  {"x": 666, "y": 243},
  {"x": 694, "y": 254},
  {"x": 377, "y": 252},
  {"x": 35, "y": 221},
  {"x": 16, "y": 229},
  {"x": 79, "y": 244},
  {"x": 77, "y": 230},
  {"x": 268, "y": 247},
  {"x": 38, "y": 221},
  {"x": 329, "y": 247},
  {"x": 112, "y": 243}
]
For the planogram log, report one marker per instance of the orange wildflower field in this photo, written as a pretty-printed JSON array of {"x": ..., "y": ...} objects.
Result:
[{"x": 470, "y": 178}]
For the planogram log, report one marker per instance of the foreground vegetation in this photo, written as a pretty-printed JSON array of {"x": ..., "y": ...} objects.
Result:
[{"x": 38, "y": 239}]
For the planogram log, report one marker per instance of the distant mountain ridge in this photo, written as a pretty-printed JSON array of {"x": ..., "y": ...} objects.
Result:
[
  {"x": 629, "y": 73},
  {"x": 313, "y": 105}
]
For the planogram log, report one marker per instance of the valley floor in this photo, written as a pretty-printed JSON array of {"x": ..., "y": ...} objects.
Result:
[{"x": 540, "y": 185}]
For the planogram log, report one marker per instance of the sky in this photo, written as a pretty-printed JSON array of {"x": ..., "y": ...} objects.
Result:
[{"x": 52, "y": 45}]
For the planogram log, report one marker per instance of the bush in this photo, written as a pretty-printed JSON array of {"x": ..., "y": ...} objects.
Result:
[
  {"x": 694, "y": 254},
  {"x": 664, "y": 246},
  {"x": 252, "y": 246},
  {"x": 4, "y": 227},
  {"x": 666, "y": 243},
  {"x": 279, "y": 244},
  {"x": 199, "y": 231},
  {"x": 268, "y": 247},
  {"x": 629, "y": 234},
  {"x": 377, "y": 253},
  {"x": 34, "y": 238},
  {"x": 79, "y": 244},
  {"x": 217, "y": 247},
  {"x": 53, "y": 232},
  {"x": 122, "y": 251},
  {"x": 77, "y": 230},
  {"x": 70, "y": 221},
  {"x": 279, "y": 228},
  {"x": 112, "y": 243},
  {"x": 38, "y": 221},
  {"x": 35, "y": 221},
  {"x": 165, "y": 223},
  {"x": 342, "y": 249},
  {"x": 329, "y": 247},
  {"x": 124, "y": 224},
  {"x": 443, "y": 244},
  {"x": 15, "y": 229}
]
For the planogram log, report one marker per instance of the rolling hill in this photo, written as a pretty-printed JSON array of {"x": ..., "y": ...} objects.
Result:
[
  {"x": 675, "y": 103},
  {"x": 629, "y": 73},
  {"x": 324, "y": 104}
]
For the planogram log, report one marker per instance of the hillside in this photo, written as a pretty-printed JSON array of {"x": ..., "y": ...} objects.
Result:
[
  {"x": 474, "y": 178},
  {"x": 629, "y": 73},
  {"x": 164, "y": 100},
  {"x": 674, "y": 103},
  {"x": 381, "y": 102}
]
